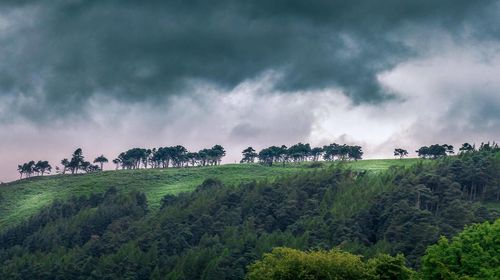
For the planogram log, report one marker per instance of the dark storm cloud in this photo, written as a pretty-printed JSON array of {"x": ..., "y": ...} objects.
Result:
[
  {"x": 479, "y": 112},
  {"x": 245, "y": 131},
  {"x": 58, "y": 54}
]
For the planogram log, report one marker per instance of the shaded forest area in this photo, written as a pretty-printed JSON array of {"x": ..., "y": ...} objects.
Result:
[{"x": 217, "y": 231}]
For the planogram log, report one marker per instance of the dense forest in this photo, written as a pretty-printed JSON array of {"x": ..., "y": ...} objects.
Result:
[
  {"x": 472, "y": 254},
  {"x": 219, "y": 232}
]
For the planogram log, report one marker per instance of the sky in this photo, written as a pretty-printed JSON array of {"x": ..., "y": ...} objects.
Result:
[{"x": 107, "y": 76}]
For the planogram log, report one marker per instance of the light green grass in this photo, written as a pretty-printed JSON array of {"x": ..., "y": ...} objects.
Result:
[
  {"x": 380, "y": 164},
  {"x": 23, "y": 198}
]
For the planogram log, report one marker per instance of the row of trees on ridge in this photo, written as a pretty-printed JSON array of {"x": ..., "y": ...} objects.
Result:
[
  {"x": 78, "y": 163},
  {"x": 165, "y": 157},
  {"x": 31, "y": 168},
  {"x": 302, "y": 152},
  {"x": 436, "y": 150},
  {"x": 179, "y": 156}
]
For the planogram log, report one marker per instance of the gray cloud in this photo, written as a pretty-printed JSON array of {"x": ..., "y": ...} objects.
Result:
[
  {"x": 59, "y": 54},
  {"x": 110, "y": 75},
  {"x": 477, "y": 112},
  {"x": 451, "y": 97},
  {"x": 245, "y": 131}
]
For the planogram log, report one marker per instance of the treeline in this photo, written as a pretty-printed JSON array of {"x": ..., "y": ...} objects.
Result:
[
  {"x": 179, "y": 156},
  {"x": 78, "y": 163},
  {"x": 302, "y": 152},
  {"x": 31, "y": 168},
  {"x": 165, "y": 157},
  {"x": 438, "y": 151},
  {"x": 75, "y": 164},
  {"x": 217, "y": 231}
]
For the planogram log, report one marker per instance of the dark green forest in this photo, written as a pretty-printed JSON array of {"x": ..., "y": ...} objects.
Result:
[{"x": 218, "y": 231}]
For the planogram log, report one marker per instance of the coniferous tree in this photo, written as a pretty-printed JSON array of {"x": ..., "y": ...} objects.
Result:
[
  {"x": 101, "y": 160},
  {"x": 65, "y": 164},
  {"x": 249, "y": 155},
  {"x": 42, "y": 167},
  {"x": 466, "y": 148},
  {"x": 117, "y": 163}
]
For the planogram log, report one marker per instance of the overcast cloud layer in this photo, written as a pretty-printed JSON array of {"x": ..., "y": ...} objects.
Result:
[{"x": 110, "y": 75}]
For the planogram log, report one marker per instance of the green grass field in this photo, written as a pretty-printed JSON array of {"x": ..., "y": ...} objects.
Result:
[{"x": 20, "y": 199}]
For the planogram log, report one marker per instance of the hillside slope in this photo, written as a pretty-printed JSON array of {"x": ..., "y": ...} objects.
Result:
[
  {"x": 217, "y": 230},
  {"x": 23, "y": 198}
]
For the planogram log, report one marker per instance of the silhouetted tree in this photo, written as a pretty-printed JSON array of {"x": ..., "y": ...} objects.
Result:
[
  {"x": 435, "y": 151},
  {"x": 87, "y": 167},
  {"x": 101, "y": 160},
  {"x": 76, "y": 161},
  {"x": 133, "y": 158},
  {"x": 192, "y": 158},
  {"x": 27, "y": 168},
  {"x": 20, "y": 169},
  {"x": 398, "y": 152},
  {"x": 487, "y": 147},
  {"x": 42, "y": 166},
  {"x": 217, "y": 152},
  {"x": 117, "y": 163},
  {"x": 423, "y": 152},
  {"x": 147, "y": 157},
  {"x": 448, "y": 149},
  {"x": 65, "y": 164},
  {"x": 178, "y": 155},
  {"x": 299, "y": 152},
  {"x": 354, "y": 152},
  {"x": 249, "y": 155},
  {"x": 266, "y": 156},
  {"x": 342, "y": 152},
  {"x": 330, "y": 152},
  {"x": 204, "y": 157},
  {"x": 316, "y": 153},
  {"x": 30, "y": 168},
  {"x": 165, "y": 157},
  {"x": 466, "y": 148}
]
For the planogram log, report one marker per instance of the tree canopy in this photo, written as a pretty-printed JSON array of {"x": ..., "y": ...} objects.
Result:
[
  {"x": 301, "y": 152},
  {"x": 30, "y": 168},
  {"x": 287, "y": 263},
  {"x": 78, "y": 163},
  {"x": 472, "y": 254},
  {"x": 401, "y": 153},
  {"x": 101, "y": 160},
  {"x": 249, "y": 155},
  {"x": 165, "y": 157},
  {"x": 435, "y": 151}
]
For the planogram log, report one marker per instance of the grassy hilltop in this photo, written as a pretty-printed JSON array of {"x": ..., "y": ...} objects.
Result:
[
  {"x": 215, "y": 229},
  {"x": 23, "y": 198}
]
